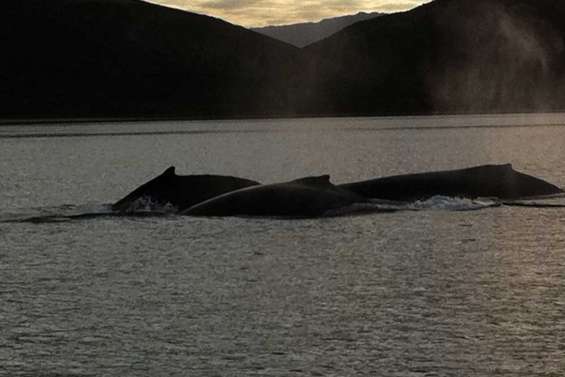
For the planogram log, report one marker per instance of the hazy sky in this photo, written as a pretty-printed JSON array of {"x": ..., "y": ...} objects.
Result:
[{"x": 277, "y": 12}]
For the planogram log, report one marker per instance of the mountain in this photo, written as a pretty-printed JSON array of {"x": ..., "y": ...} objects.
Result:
[
  {"x": 128, "y": 58},
  {"x": 448, "y": 56},
  {"x": 303, "y": 34}
]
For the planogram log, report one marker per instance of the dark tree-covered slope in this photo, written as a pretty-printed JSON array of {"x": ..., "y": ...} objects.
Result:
[
  {"x": 105, "y": 58},
  {"x": 449, "y": 56},
  {"x": 127, "y": 58}
]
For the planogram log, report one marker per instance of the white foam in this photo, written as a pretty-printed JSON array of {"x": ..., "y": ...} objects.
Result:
[
  {"x": 147, "y": 204},
  {"x": 447, "y": 203}
]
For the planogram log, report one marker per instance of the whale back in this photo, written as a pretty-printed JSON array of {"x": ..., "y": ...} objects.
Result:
[
  {"x": 305, "y": 197},
  {"x": 180, "y": 192},
  {"x": 497, "y": 181},
  {"x": 320, "y": 181}
]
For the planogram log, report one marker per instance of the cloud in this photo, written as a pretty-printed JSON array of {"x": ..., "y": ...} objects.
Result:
[{"x": 277, "y": 12}]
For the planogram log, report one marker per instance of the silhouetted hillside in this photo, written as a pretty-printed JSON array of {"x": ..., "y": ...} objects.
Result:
[
  {"x": 104, "y": 58},
  {"x": 303, "y": 34},
  {"x": 127, "y": 58},
  {"x": 448, "y": 56}
]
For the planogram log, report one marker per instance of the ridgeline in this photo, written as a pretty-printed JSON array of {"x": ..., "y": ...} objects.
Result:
[{"x": 101, "y": 59}]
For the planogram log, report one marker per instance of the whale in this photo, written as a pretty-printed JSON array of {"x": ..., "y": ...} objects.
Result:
[
  {"x": 214, "y": 195},
  {"x": 302, "y": 198},
  {"x": 178, "y": 192},
  {"x": 486, "y": 181}
]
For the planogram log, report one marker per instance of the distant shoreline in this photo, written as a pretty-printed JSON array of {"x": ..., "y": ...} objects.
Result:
[{"x": 47, "y": 121}]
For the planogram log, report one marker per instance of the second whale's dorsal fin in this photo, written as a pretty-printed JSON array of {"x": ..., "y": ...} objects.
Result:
[
  {"x": 489, "y": 169},
  {"x": 170, "y": 172},
  {"x": 501, "y": 166},
  {"x": 323, "y": 180}
]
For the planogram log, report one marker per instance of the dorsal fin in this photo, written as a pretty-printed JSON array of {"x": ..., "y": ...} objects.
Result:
[
  {"x": 323, "y": 180},
  {"x": 492, "y": 167},
  {"x": 170, "y": 172},
  {"x": 502, "y": 168}
]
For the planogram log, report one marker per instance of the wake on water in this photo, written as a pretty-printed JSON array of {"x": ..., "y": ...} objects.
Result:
[
  {"x": 146, "y": 208},
  {"x": 66, "y": 213},
  {"x": 434, "y": 203}
]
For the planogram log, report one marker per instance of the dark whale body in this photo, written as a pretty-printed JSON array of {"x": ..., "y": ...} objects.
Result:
[
  {"x": 306, "y": 197},
  {"x": 493, "y": 181},
  {"x": 181, "y": 192}
]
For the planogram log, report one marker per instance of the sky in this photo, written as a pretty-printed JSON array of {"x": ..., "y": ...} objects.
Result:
[{"x": 252, "y": 13}]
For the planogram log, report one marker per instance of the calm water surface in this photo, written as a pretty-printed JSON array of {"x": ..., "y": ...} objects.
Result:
[{"x": 435, "y": 292}]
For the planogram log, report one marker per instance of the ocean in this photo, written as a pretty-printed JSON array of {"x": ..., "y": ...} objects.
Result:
[{"x": 438, "y": 291}]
